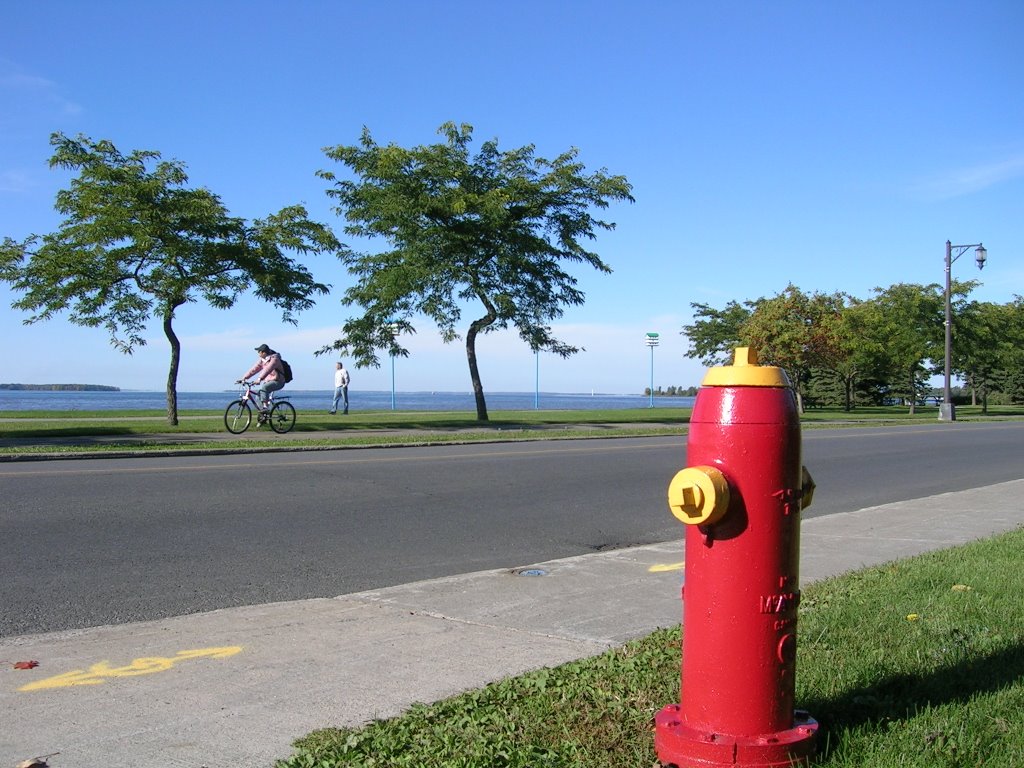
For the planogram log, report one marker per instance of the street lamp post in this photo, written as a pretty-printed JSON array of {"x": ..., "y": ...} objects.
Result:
[
  {"x": 651, "y": 339},
  {"x": 394, "y": 328},
  {"x": 947, "y": 412},
  {"x": 536, "y": 384}
]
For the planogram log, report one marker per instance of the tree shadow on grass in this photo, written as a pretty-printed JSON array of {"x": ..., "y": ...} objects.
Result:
[{"x": 82, "y": 435}]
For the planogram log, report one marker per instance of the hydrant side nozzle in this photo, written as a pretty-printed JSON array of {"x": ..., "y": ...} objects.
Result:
[
  {"x": 698, "y": 495},
  {"x": 807, "y": 487}
]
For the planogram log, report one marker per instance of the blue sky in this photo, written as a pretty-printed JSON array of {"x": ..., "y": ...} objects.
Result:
[{"x": 833, "y": 145}]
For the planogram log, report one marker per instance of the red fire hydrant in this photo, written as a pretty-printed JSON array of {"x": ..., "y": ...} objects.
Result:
[{"x": 740, "y": 496}]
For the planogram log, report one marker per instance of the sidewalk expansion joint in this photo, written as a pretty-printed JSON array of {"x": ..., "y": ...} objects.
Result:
[{"x": 569, "y": 638}]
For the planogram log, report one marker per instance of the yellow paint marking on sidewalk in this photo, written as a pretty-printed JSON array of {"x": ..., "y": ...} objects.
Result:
[
  {"x": 102, "y": 671},
  {"x": 666, "y": 568}
]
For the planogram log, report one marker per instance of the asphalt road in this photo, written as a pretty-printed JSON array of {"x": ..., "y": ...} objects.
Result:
[{"x": 109, "y": 541}]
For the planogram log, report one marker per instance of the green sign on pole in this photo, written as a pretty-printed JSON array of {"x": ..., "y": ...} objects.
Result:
[{"x": 652, "y": 341}]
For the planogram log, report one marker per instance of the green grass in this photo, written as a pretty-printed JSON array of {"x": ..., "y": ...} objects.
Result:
[
  {"x": 918, "y": 663},
  {"x": 212, "y": 421},
  {"x": 281, "y": 443},
  {"x": 319, "y": 430},
  {"x": 207, "y": 420},
  {"x": 149, "y": 431},
  {"x": 896, "y": 414}
]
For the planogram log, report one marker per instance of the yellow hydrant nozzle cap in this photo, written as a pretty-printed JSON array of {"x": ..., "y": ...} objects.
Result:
[
  {"x": 698, "y": 495},
  {"x": 745, "y": 372}
]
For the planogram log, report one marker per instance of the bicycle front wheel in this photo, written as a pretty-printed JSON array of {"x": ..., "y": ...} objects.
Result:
[
  {"x": 282, "y": 418},
  {"x": 237, "y": 417}
]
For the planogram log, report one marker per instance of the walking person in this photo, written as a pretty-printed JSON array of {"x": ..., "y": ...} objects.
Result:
[{"x": 341, "y": 379}]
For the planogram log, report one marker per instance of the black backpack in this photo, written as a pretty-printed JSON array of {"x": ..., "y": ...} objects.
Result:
[{"x": 287, "y": 371}]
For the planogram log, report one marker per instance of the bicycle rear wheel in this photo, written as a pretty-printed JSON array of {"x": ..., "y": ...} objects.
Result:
[
  {"x": 237, "y": 417},
  {"x": 282, "y": 417}
]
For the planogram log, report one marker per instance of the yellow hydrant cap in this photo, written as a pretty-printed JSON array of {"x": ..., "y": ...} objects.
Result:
[
  {"x": 698, "y": 495},
  {"x": 745, "y": 372}
]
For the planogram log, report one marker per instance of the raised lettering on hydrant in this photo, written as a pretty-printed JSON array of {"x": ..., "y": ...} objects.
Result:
[{"x": 740, "y": 498}]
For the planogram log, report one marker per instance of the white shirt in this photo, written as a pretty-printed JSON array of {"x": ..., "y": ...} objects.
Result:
[{"x": 340, "y": 377}]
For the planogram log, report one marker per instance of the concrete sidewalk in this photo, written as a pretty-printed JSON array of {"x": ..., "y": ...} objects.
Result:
[{"x": 234, "y": 687}]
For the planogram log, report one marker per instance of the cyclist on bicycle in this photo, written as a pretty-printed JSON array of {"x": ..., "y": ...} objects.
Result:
[{"x": 269, "y": 373}]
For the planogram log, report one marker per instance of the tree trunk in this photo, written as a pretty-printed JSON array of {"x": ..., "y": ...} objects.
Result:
[
  {"x": 172, "y": 374},
  {"x": 797, "y": 387},
  {"x": 474, "y": 369},
  {"x": 913, "y": 391}
]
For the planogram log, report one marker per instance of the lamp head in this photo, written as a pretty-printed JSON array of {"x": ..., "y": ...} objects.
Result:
[{"x": 980, "y": 254}]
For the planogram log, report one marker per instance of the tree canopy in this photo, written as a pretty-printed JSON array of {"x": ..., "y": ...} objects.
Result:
[
  {"x": 495, "y": 230},
  {"x": 905, "y": 325},
  {"x": 836, "y": 346},
  {"x": 137, "y": 243},
  {"x": 796, "y": 331}
]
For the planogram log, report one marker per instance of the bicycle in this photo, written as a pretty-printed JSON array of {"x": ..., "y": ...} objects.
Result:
[{"x": 280, "y": 414}]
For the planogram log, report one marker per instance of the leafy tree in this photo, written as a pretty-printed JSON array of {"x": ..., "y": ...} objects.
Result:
[
  {"x": 715, "y": 333},
  {"x": 859, "y": 360},
  {"x": 988, "y": 349},
  {"x": 981, "y": 343},
  {"x": 137, "y": 243},
  {"x": 1009, "y": 383},
  {"x": 839, "y": 349},
  {"x": 792, "y": 330},
  {"x": 1013, "y": 362},
  {"x": 904, "y": 323},
  {"x": 492, "y": 229},
  {"x": 824, "y": 387},
  {"x": 799, "y": 332}
]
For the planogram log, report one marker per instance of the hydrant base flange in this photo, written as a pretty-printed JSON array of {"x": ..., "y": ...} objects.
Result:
[{"x": 678, "y": 744}]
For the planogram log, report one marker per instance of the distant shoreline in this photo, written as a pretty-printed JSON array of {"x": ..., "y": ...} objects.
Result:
[{"x": 59, "y": 388}]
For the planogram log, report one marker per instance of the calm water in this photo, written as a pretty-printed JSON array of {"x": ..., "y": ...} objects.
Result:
[{"x": 321, "y": 400}]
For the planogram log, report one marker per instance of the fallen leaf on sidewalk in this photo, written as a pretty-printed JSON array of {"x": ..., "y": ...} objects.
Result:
[
  {"x": 36, "y": 762},
  {"x": 25, "y": 665}
]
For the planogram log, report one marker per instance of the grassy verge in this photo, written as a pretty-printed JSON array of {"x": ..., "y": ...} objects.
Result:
[
  {"x": 22, "y": 423},
  {"x": 280, "y": 443},
  {"x": 76, "y": 432},
  {"x": 897, "y": 414},
  {"x": 76, "y": 428},
  {"x": 42, "y": 423},
  {"x": 916, "y": 663}
]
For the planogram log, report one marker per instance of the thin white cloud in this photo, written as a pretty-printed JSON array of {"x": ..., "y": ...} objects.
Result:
[
  {"x": 22, "y": 82},
  {"x": 41, "y": 88},
  {"x": 15, "y": 182},
  {"x": 966, "y": 181}
]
